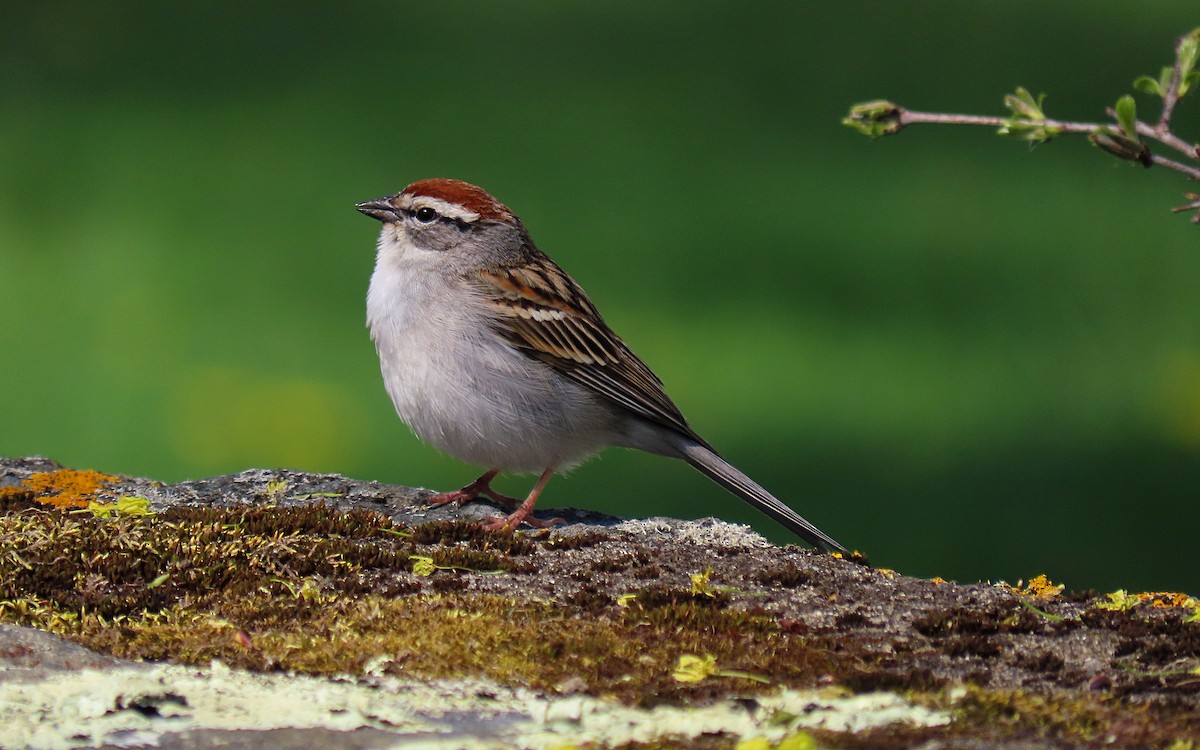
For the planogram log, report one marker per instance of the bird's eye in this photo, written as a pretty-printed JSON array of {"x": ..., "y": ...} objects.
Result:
[{"x": 426, "y": 215}]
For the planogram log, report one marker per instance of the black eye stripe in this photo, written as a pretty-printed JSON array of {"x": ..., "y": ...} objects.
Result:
[{"x": 427, "y": 215}]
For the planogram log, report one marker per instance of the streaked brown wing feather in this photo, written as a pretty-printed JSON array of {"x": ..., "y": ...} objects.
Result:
[{"x": 546, "y": 315}]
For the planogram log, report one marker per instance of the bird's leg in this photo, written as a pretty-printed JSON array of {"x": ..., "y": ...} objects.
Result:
[
  {"x": 481, "y": 486},
  {"x": 505, "y": 500},
  {"x": 524, "y": 514},
  {"x": 468, "y": 493}
]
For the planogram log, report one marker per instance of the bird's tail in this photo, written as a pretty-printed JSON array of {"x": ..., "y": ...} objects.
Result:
[{"x": 719, "y": 470}]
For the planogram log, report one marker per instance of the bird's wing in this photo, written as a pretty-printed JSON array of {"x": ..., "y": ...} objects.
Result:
[{"x": 545, "y": 314}]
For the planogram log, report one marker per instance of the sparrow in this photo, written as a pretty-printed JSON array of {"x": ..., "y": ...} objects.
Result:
[{"x": 491, "y": 353}]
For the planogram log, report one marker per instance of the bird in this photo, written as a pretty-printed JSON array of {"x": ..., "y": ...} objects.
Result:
[{"x": 494, "y": 355}]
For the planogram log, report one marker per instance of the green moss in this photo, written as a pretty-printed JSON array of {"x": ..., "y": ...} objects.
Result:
[
  {"x": 467, "y": 559},
  {"x": 317, "y": 590},
  {"x": 1074, "y": 718},
  {"x": 581, "y": 540},
  {"x": 451, "y": 532},
  {"x": 787, "y": 575}
]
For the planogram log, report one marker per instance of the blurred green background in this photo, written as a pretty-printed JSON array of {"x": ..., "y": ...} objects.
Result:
[{"x": 966, "y": 357}]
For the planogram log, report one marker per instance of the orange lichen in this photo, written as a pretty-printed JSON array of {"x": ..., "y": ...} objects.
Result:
[
  {"x": 1039, "y": 587},
  {"x": 1167, "y": 599},
  {"x": 66, "y": 488},
  {"x": 1122, "y": 601},
  {"x": 15, "y": 492}
]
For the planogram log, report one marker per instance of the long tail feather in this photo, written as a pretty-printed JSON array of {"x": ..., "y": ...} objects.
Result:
[{"x": 725, "y": 474}]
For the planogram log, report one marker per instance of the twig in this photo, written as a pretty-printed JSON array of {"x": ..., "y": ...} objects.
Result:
[
  {"x": 1193, "y": 205},
  {"x": 1171, "y": 95},
  {"x": 909, "y": 117},
  {"x": 905, "y": 117},
  {"x": 1162, "y": 133},
  {"x": 1122, "y": 137}
]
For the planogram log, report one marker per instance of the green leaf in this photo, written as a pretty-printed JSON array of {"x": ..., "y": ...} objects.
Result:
[
  {"x": 743, "y": 675},
  {"x": 1187, "y": 53},
  {"x": 1126, "y": 110},
  {"x": 1022, "y": 104},
  {"x": 1042, "y": 612},
  {"x": 874, "y": 119},
  {"x": 1157, "y": 86},
  {"x": 1186, "y": 83},
  {"x": 1119, "y": 601},
  {"x": 1148, "y": 85},
  {"x": 422, "y": 565},
  {"x": 395, "y": 532},
  {"x": 130, "y": 505},
  {"x": 692, "y": 668},
  {"x": 1028, "y": 120},
  {"x": 1164, "y": 77},
  {"x": 101, "y": 510}
]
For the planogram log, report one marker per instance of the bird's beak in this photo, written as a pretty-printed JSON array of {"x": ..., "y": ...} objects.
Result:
[{"x": 380, "y": 208}]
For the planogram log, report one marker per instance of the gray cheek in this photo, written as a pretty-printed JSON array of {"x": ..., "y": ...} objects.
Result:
[
  {"x": 498, "y": 244},
  {"x": 438, "y": 237}
]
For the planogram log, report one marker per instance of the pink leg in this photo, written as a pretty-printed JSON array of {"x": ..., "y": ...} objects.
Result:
[
  {"x": 481, "y": 486},
  {"x": 524, "y": 513}
]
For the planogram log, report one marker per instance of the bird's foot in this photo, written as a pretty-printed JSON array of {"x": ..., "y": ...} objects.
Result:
[
  {"x": 508, "y": 524},
  {"x": 523, "y": 514},
  {"x": 505, "y": 500},
  {"x": 457, "y": 497},
  {"x": 481, "y": 486}
]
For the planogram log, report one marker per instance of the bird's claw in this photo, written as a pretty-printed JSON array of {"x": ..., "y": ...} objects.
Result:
[
  {"x": 508, "y": 524},
  {"x": 456, "y": 497}
]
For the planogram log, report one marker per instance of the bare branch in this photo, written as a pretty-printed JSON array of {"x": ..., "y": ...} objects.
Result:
[
  {"x": 908, "y": 117},
  {"x": 1165, "y": 137},
  {"x": 1192, "y": 205},
  {"x": 1125, "y": 136},
  {"x": 1192, "y": 173},
  {"x": 1171, "y": 95}
]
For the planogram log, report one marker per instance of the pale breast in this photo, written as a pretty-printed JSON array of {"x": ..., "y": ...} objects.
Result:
[{"x": 462, "y": 389}]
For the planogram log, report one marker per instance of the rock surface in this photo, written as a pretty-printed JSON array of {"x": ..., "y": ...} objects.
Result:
[{"x": 599, "y": 631}]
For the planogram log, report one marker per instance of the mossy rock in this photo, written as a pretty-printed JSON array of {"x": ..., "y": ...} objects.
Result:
[{"x": 301, "y": 578}]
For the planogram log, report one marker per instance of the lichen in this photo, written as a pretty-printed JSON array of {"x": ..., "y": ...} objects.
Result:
[
  {"x": 63, "y": 488},
  {"x": 318, "y": 591},
  {"x": 262, "y": 583}
]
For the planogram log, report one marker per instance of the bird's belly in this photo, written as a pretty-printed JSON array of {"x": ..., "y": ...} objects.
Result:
[{"x": 503, "y": 410}]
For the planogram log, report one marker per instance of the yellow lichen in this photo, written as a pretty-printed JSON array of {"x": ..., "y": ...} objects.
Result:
[
  {"x": 1039, "y": 587},
  {"x": 317, "y": 590},
  {"x": 692, "y": 668},
  {"x": 701, "y": 585},
  {"x": 1122, "y": 601},
  {"x": 1168, "y": 599}
]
